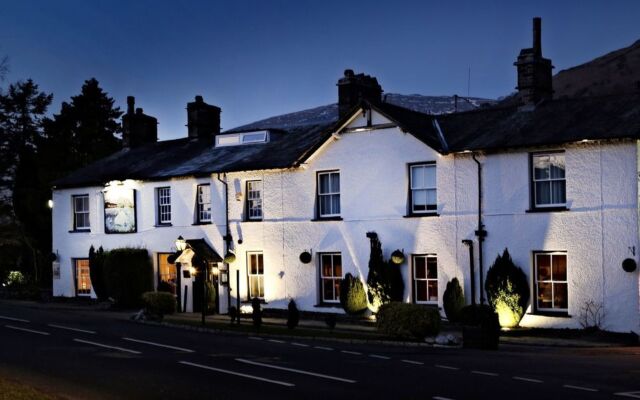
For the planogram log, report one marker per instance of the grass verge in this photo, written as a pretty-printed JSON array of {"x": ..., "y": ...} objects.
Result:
[{"x": 11, "y": 390}]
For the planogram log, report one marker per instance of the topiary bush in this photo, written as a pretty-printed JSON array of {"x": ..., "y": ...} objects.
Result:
[
  {"x": 408, "y": 321},
  {"x": 128, "y": 273},
  {"x": 97, "y": 272},
  {"x": 507, "y": 290},
  {"x": 159, "y": 304},
  {"x": 453, "y": 300},
  {"x": 256, "y": 314},
  {"x": 293, "y": 315},
  {"x": 384, "y": 280},
  {"x": 352, "y": 295}
]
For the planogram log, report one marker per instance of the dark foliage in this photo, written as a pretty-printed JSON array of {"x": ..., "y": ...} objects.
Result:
[
  {"x": 293, "y": 315},
  {"x": 256, "y": 314},
  {"x": 159, "y": 304},
  {"x": 97, "y": 273},
  {"x": 233, "y": 314},
  {"x": 331, "y": 321},
  {"x": 481, "y": 328},
  {"x": 406, "y": 320},
  {"x": 352, "y": 295},
  {"x": 164, "y": 286},
  {"x": 453, "y": 300},
  {"x": 384, "y": 279},
  {"x": 128, "y": 273},
  {"x": 507, "y": 286}
]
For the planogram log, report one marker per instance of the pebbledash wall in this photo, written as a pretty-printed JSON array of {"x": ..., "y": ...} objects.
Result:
[{"x": 599, "y": 230}]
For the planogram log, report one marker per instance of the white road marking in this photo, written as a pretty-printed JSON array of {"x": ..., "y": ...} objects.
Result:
[
  {"x": 484, "y": 373},
  {"x": 223, "y": 371},
  {"x": 441, "y": 398},
  {"x": 159, "y": 345},
  {"x": 323, "y": 348},
  {"x": 107, "y": 346},
  {"x": 298, "y": 371},
  {"x": 14, "y": 319},
  {"x": 355, "y": 353},
  {"x": 276, "y": 341},
  {"x": 299, "y": 344},
  {"x": 71, "y": 329},
  {"x": 27, "y": 330},
  {"x": 413, "y": 362},
  {"x": 586, "y": 389},
  {"x": 379, "y": 356},
  {"x": 634, "y": 395},
  {"x": 255, "y": 338},
  {"x": 446, "y": 367},
  {"x": 520, "y": 378}
]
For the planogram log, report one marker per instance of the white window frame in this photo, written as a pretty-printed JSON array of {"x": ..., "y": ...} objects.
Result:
[
  {"x": 415, "y": 187},
  {"x": 85, "y": 212},
  {"x": 203, "y": 193},
  {"x": 254, "y": 200},
  {"x": 244, "y": 138},
  {"x": 84, "y": 292},
  {"x": 331, "y": 194},
  {"x": 332, "y": 278},
  {"x": 426, "y": 278},
  {"x": 259, "y": 257},
  {"x": 534, "y": 180},
  {"x": 552, "y": 281},
  {"x": 163, "y": 205}
]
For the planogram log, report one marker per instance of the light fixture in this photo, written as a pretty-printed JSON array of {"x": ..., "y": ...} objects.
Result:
[
  {"x": 50, "y": 204},
  {"x": 181, "y": 244},
  {"x": 230, "y": 257}
]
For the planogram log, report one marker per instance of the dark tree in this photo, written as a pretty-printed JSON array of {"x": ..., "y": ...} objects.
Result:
[{"x": 384, "y": 279}]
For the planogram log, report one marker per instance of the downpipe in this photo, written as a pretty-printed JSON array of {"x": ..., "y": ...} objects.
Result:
[{"x": 480, "y": 233}]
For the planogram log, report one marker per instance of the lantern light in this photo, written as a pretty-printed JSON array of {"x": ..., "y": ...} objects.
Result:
[{"x": 181, "y": 244}]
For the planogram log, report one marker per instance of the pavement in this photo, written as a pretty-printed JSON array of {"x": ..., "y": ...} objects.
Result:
[{"x": 80, "y": 353}]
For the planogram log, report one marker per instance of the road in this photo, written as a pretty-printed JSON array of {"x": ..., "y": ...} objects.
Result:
[{"x": 100, "y": 355}]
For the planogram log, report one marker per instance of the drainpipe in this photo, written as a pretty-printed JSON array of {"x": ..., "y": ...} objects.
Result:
[
  {"x": 480, "y": 232},
  {"x": 227, "y": 239},
  {"x": 472, "y": 270}
]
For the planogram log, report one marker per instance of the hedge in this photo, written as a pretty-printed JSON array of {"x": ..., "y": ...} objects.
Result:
[
  {"x": 159, "y": 304},
  {"x": 408, "y": 321},
  {"x": 129, "y": 274}
]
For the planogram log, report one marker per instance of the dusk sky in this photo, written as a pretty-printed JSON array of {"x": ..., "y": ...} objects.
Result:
[{"x": 257, "y": 59}]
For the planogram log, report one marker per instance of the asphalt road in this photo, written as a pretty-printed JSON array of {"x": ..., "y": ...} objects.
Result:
[{"x": 99, "y": 355}]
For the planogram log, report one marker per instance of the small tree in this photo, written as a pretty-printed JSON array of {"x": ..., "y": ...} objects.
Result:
[
  {"x": 384, "y": 280},
  {"x": 507, "y": 290},
  {"x": 129, "y": 273},
  {"x": 97, "y": 273},
  {"x": 293, "y": 315},
  {"x": 453, "y": 300},
  {"x": 352, "y": 295}
]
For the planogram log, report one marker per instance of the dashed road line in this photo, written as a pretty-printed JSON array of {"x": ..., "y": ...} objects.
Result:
[
  {"x": 323, "y": 348},
  {"x": 412, "y": 362},
  {"x": 107, "y": 346},
  {"x": 166, "y": 346},
  {"x": 27, "y": 330},
  {"x": 297, "y": 371},
  {"x": 633, "y": 395},
  {"x": 299, "y": 344},
  {"x": 446, "y": 367},
  {"x": 586, "y": 389},
  {"x": 355, "y": 353},
  {"x": 441, "y": 398},
  {"x": 484, "y": 373},
  {"x": 68, "y": 328},
  {"x": 255, "y": 338},
  {"x": 14, "y": 319},
  {"x": 276, "y": 341},
  {"x": 224, "y": 371},
  {"x": 520, "y": 378},
  {"x": 379, "y": 357}
]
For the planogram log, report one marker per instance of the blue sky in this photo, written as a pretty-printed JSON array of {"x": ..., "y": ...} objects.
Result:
[{"x": 257, "y": 59}]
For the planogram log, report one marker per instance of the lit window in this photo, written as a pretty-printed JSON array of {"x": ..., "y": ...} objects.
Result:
[
  {"x": 81, "y": 212},
  {"x": 548, "y": 180},
  {"x": 423, "y": 188},
  {"x": 425, "y": 279},
  {"x": 204, "y": 203},
  {"x": 227, "y": 140},
  {"x": 254, "y": 200},
  {"x": 551, "y": 281},
  {"x": 329, "y": 194},
  {"x": 163, "y": 201},
  {"x": 330, "y": 277},
  {"x": 167, "y": 277},
  {"x": 255, "y": 271},
  {"x": 83, "y": 279}
]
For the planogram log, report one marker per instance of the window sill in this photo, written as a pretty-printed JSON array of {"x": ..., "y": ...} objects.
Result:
[
  {"x": 328, "y": 305},
  {"x": 201, "y": 223},
  {"x": 252, "y": 220},
  {"x": 546, "y": 209},
  {"x": 553, "y": 314},
  {"x": 162, "y": 225},
  {"x": 425, "y": 215},
  {"x": 327, "y": 219},
  {"x": 80, "y": 231}
]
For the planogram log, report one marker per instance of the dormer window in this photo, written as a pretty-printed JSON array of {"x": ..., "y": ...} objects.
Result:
[{"x": 237, "y": 139}]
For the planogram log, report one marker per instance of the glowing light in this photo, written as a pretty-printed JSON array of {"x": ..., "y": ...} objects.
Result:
[
  {"x": 246, "y": 309},
  {"x": 181, "y": 244},
  {"x": 50, "y": 203}
]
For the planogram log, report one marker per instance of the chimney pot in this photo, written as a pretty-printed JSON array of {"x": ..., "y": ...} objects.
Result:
[
  {"x": 537, "y": 36},
  {"x": 137, "y": 128},
  {"x": 203, "y": 120},
  {"x": 353, "y": 88},
  {"x": 348, "y": 73},
  {"x": 131, "y": 101},
  {"x": 199, "y": 99},
  {"x": 534, "y": 71},
  {"x": 139, "y": 111}
]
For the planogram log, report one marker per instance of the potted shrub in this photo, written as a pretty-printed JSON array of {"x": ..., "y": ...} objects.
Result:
[
  {"x": 158, "y": 304},
  {"x": 480, "y": 327}
]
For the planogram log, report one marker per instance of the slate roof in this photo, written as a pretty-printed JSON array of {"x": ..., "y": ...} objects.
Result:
[{"x": 294, "y": 136}]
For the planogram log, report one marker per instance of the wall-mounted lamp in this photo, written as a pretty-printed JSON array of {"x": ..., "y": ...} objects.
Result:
[
  {"x": 230, "y": 257},
  {"x": 181, "y": 244}
]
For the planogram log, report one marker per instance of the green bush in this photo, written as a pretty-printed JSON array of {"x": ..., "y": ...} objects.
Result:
[
  {"x": 97, "y": 273},
  {"x": 352, "y": 295},
  {"x": 15, "y": 279},
  {"x": 453, "y": 300},
  {"x": 384, "y": 280},
  {"x": 211, "y": 298},
  {"x": 293, "y": 315},
  {"x": 159, "y": 303},
  {"x": 405, "y": 320},
  {"x": 128, "y": 273},
  {"x": 507, "y": 290}
]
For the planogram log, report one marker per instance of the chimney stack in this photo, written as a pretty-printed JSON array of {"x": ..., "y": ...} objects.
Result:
[
  {"x": 203, "y": 120},
  {"x": 534, "y": 71},
  {"x": 137, "y": 128},
  {"x": 353, "y": 88}
]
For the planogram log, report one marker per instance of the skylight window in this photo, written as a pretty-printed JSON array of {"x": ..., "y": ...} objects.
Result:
[{"x": 236, "y": 139}]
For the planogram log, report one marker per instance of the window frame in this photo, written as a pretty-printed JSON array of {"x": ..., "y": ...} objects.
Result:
[
  {"x": 534, "y": 206},
  {"x": 410, "y": 189},
  {"x": 76, "y": 228},
  {"x": 76, "y": 274},
  {"x": 414, "y": 280},
  {"x": 322, "y": 277},
  {"x": 319, "y": 214},
  {"x": 260, "y": 277},
  {"x": 549, "y": 310},
  {"x": 200, "y": 205},
  {"x": 248, "y": 201},
  {"x": 159, "y": 205}
]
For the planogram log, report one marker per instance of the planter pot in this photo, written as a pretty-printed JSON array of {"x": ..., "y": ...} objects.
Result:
[{"x": 480, "y": 337}]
